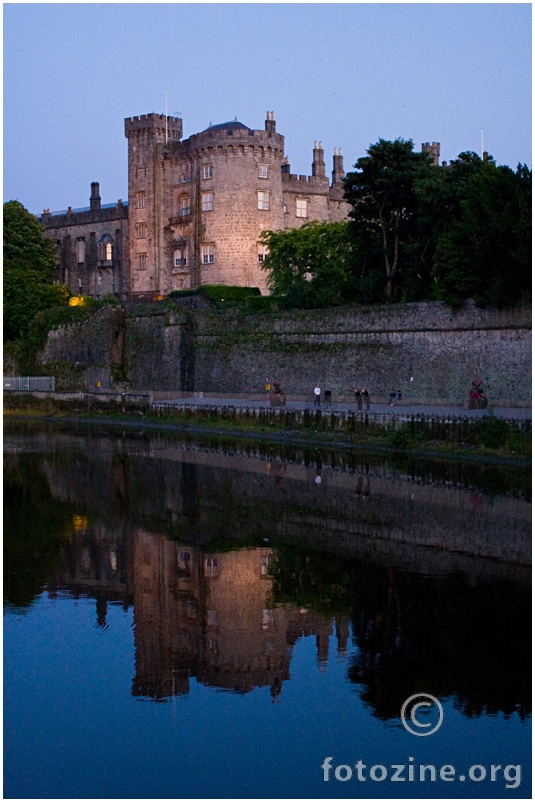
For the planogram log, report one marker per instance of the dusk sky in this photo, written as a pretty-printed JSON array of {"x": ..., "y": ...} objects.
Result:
[{"x": 346, "y": 74}]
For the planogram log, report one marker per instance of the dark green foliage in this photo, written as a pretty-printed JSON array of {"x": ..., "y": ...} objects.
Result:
[
  {"x": 29, "y": 264},
  {"x": 385, "y": 204},
  {"x": 485, "y": 252},
  {"x": 221, "y": 295},
  {"x": 311, "y": 266},
  {"x": 417, "y": 232}
]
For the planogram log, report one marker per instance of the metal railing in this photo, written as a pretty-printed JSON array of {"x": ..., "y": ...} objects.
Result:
[{"x": 30, "y": 383}]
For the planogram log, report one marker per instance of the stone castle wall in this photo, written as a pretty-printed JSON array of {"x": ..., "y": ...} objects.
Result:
[{"x": 377, "y": 347}]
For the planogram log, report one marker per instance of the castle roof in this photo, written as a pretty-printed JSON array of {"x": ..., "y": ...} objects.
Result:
[{"x": 233, "y": 125}]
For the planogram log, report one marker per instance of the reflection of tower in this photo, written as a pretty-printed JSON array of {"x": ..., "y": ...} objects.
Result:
[{"x": 245, "y": 641}]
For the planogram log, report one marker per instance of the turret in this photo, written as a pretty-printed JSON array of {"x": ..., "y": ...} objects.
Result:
[
  {"x": 285, "y": 166},
  {"x": 338, "y": 166},
  {"x": 318, "y": 163},
  {"x": 155, "y": 127},
  {"x": 433, "y": 149}
]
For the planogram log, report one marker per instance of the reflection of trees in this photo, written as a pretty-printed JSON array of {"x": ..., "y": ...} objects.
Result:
[
  {"x": 35, "y": 523},
  {"x": 447, "y": 636}
]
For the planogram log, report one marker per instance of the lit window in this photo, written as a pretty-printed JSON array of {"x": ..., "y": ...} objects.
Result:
[
  {"x": 141, "y": 197},
  {"x": 301, "y": 208},
  {"x": 142, "y": 261},
  {"x": 207, "y": 171},
  {"x": 207, "y": 254},
  {"x": 207, "y": 201},
  {"x": 263, "y": 200},
  {"x": 184, "y": 206},
  {"x": 105, "y": 248},
  {"x": 262, "y": 171},
  {"x": 141, "y": 231},
  {"x": 179, "y": 258}
]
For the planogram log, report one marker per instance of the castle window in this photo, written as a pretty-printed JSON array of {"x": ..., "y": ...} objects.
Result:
[
  {"x": 141, "y": 231},
  {"x": 184, "y": 206},
  {"x": 179, "y": 258},
  {"x": 80, "y": 286},
  {"x": 262, "y": 170},
  {"x": 142, "y": 261},
  {"x": 141, "y": 198},
  {"x": 263, "y": 200},
  {"x": 207, "y": 201},
  {"x": 207, "y": 254},
  {"x": 80, "y": 251},
  {"x": 262, "y": 252},
  {"x": 207, "y": 171},
  {"x": 301, "y": 208},
  {"x": 105, "y": 248}
]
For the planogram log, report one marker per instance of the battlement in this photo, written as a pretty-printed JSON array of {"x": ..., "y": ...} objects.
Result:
[
  {"x": 433, "y": 149},
  {"x": 234, "y": 134},
  {"x": 155, "y": 124},
  {"x": 306, "y": 180}
]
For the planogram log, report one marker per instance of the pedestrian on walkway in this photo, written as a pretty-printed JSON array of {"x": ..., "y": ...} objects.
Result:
[
  {"x": 317, "y": 395},
  {"x": 358, "y": 399},
  {"x": 392, "y": 397},
  {"x": 366, "y": 398}
]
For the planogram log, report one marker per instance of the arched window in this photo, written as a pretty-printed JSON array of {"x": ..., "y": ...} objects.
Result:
[
  {"x": 105, "y": 249},
  {"x": 180, "y": 258}
]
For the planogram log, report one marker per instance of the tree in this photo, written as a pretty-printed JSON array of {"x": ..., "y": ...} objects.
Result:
[
  {"x": 383, "y": 194},
  {"x": 30, "y": 260},
  {"x": 312, "y": 265},
  {"x": 484, "y": 252}
]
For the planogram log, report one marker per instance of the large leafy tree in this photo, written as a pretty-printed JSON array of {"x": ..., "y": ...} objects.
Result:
[
  {"x": 382, "y": 192},
  {"x": 312, "y": 265},
  {"x": 30, "y": 260},
  {"x": 484, "y": 250}
]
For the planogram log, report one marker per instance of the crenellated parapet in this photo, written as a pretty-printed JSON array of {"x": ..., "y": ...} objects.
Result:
[{"x": 156, "y": 126}]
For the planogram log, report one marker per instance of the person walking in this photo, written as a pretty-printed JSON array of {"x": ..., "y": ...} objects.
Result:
[
  {"x": 358, "y": 399},
  {"x": 392, "y": 397},
  {"x": 366, "y": 398},
  {"x": 317, "y": 395}
]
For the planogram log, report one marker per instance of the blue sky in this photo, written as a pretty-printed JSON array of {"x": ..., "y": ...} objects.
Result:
[{"x": 347, "y": 74}]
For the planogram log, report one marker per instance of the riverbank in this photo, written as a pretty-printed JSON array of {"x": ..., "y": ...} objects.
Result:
[{"x": 485, "y": 441}]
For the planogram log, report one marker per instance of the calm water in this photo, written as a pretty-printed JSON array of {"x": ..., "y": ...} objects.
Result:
[{"x": 185, "y": 618}]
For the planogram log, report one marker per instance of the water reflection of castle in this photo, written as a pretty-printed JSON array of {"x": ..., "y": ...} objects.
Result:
[
  {"x": 197, "y": 614},
  {"x": 211, "y": 616}
]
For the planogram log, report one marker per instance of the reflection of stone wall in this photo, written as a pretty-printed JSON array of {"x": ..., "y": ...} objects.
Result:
[{"x": 422, "y": 525}]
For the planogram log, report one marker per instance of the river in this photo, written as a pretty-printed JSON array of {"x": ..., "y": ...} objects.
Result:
[{"x": 207, "y": 618}]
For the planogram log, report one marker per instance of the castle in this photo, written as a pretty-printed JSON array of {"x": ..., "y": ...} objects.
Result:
[{"x": 195, "y": 212}]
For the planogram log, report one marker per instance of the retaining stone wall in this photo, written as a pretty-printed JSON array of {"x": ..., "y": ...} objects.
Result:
[{"x": 377, "y": 347}]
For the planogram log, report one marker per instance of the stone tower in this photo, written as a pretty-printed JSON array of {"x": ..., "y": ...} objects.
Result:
[
  {"x": 433, "y": 148},
  {"x": 149, "y": 137}
]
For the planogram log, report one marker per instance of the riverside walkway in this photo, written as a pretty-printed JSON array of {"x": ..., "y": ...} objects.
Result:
[{"x": 399, "y": 409}]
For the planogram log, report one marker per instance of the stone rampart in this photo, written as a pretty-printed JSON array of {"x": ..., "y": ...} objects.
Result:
[{"x": 424, "y": 350}]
